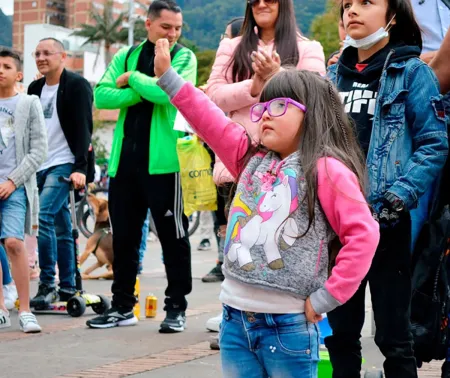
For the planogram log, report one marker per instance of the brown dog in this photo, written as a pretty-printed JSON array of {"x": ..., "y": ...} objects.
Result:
[{"x": 100, "y": 243}]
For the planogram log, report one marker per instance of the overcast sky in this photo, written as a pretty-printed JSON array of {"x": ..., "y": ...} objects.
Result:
[{"x": 7, "y": 6}]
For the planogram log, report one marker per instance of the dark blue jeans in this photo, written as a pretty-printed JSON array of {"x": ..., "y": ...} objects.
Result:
[{"x": 55, "y": 241}]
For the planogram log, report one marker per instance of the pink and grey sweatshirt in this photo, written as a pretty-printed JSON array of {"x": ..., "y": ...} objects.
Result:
[{"x": 262, "y": 247}]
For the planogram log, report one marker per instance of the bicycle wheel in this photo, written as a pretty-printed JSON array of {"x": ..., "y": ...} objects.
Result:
[
  {"x": 194, "y": 222},
  {"x": 85, "y": 216}
]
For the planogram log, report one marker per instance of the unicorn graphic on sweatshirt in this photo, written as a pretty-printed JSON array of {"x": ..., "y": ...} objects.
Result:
[{"x": 269, "y": 225}]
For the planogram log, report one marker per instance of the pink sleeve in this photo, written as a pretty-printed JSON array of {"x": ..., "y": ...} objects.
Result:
[
  {"x": 349, "y": 215},
  {"x": 312, "y": 57},
  {"x": 220, "y": 173},
  {"x": 227, "y": 139},
  {"x": 227, "y": 95}
]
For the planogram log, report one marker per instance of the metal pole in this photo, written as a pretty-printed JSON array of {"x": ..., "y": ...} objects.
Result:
[{"x": 131, "y": 23}]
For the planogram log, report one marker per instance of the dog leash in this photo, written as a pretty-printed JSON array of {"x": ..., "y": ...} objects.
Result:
[{"x": 105, "y": 233}]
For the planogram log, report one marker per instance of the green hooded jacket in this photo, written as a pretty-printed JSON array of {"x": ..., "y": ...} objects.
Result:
[{"x": 163, "y": 139}]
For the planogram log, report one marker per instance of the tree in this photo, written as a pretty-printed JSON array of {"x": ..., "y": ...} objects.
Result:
[
  {"x": 205, "y": 61},
  {"x": 324, "y": 28},
  {"x": 140, "y": 32},
  {"x": 101, "y": 152},
  {"x": 106, "y": 29}
]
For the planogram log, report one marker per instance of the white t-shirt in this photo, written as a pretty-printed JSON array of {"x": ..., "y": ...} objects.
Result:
[
  {"x": 58, "y": 149},
  {"x": 8, "y": 160},
  {"x": 98, "y": 173}
]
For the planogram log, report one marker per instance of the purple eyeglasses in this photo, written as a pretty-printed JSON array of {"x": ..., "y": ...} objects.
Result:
[{"x": 276, "y": 108}]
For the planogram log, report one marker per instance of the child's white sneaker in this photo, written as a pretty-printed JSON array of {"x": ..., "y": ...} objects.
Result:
[
  {"x": 213, "y": 324},
  {"x": 28, "y": 323},
  {"x": 10, "y": 294},
  {"x": 5, "y": 320}
]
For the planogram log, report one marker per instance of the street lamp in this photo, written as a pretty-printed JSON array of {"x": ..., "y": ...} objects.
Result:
[{"x": 131, "y": 23}]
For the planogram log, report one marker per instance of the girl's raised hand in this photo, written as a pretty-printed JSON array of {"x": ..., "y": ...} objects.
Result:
[{"x": 162, "y": 57}]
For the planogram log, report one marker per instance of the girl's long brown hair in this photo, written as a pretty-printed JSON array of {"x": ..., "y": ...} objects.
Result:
[{"x": 326, "y": 129}]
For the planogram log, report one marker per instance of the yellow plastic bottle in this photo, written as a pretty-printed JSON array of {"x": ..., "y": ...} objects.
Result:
[{"x": 137, "y": 306}]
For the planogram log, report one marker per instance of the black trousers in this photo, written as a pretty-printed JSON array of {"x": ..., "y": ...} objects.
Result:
[
  {"x": 390, "y": 287},
  {"x": 131, "y": 193}
]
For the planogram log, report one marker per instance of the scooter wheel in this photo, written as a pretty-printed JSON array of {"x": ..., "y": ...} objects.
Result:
[
  {"x": 102, "y": 306},
  {"x": 76, "y": 306},
  {"x": 374, "y": 374}
]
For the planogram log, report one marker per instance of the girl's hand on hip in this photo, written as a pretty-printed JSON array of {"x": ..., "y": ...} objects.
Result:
[
  {"x": 310, "y": 314},
  {"x": 162, "y": 57}
]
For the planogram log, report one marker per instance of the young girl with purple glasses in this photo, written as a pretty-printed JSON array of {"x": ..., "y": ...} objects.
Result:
[{"x": 298, "y": 190}]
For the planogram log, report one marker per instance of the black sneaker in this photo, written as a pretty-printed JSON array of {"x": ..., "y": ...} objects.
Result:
[
  {"x": 215, "y": 275},
  {"x": 45, "y": 296},
  {"x": 66, "y": 294},
  {"x": 114, "y": 317},
  {"x": 205, "y": 245},
  {"x": 175, "y": 321},
  {"x": 446, "y": 369}
]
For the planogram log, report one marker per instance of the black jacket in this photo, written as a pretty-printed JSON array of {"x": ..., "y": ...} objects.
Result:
[{"x": 74, "y": 107}]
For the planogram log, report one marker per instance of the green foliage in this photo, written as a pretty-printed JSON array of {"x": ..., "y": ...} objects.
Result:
[
  {"x": 107, "y": 29},
  {"x": 207, "y": 19},
  {"x": 325, "y": 29},
  {"x": 101, "y": 152},
  {"x": 5, "y": 30},
  {"x": 140, "y": 32},
  {"x": 205, "y": 61}
]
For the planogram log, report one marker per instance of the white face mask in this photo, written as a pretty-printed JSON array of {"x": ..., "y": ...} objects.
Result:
[{"x": 367, "y": 42}]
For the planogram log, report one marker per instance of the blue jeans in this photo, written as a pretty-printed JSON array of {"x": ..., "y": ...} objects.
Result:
[
  {"x": 12, "y": 225},
  {"x": 145, "y": 229},
  {"x": 55, "y": 243},
  {"x": 256, "y": 345},
  {"x": 7, "y": 279}
]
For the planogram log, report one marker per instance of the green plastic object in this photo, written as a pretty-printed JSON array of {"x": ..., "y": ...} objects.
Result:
[{"x": 325, "y": 369}]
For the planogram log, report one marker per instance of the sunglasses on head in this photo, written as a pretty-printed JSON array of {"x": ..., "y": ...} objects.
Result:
[
  {"x": 254, "y": 3},
  {"x": 276, "y": 108}
]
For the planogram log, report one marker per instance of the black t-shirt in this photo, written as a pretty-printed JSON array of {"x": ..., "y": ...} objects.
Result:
[{"x": 358, "y": 88}]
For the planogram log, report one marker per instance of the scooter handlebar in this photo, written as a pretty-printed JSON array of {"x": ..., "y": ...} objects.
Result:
[{"x": 65, "y": 179}]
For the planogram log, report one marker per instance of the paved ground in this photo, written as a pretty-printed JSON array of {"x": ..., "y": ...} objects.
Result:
[{"x": 68, "y": 349}]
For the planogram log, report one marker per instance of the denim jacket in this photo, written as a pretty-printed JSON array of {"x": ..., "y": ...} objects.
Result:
[{"x": 408, "y": 145}]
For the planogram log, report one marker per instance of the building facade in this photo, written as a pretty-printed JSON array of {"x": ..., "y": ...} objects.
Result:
[{"x": 66, "y": 13}]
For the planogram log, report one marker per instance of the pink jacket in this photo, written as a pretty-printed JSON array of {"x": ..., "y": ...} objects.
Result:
[
  {"x": 346, "y": 209},
  {"x": 235, "y": 98}
]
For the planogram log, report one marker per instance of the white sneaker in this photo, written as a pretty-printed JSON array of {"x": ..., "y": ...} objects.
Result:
[
  {"x": 5, "y": 320},
  {"x": 28, "y": 323},
  {"x": 10, "y": 294},
  {"x": 213, "y": 324}
]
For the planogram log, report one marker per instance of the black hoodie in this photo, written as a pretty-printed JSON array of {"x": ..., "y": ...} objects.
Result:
[{"x": 359, "y": 82}]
